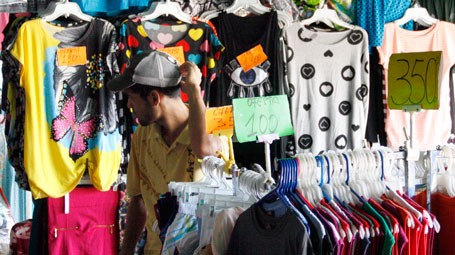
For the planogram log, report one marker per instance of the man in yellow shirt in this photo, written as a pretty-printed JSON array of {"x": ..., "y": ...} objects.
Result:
[{"x": 168, "y": 141}]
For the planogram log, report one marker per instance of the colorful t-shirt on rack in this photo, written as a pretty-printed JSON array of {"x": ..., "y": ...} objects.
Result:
[
  {"x": 329, "y": 85},
  {"x": 70, "y": 116},
  {"x": 198, "y": 42},
  {"x": 432, "y": 127}
]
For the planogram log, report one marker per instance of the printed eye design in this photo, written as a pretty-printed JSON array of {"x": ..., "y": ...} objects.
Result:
[{"x": 257, "y": 77}]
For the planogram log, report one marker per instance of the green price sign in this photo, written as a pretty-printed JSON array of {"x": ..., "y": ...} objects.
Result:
[
  {"x": 261, "y": 116},
  {"x": 413, "y": 79}
]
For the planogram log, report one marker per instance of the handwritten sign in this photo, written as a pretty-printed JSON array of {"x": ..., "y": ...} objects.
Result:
[
  {"x": 73, "y": 56},
  {"x": 176, "y": 52},
  {"x": 219, "y": 118},
  {"x": 252, "y": 58},
  {"x": 413, "y": 79},
  {"x": 261, "y": 116}
]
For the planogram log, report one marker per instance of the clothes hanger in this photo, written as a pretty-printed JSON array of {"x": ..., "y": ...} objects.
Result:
[
  {"x": 246, "y": 7},
  {"x": 327, "y": 16},
  {"x": 165, "y": 8},
  {"x": 418, "y": 14},
  {"x": 55, "y": 10}
]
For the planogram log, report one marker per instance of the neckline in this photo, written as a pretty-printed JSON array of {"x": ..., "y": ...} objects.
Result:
[
  {"x": 318, "y": 37},
  {"x": 417, "y": 33},
  {"x": 182, "y": 38},
  {"x": 47, "y": 27},
  {"x": 259, "y": 216},
  {"x": 235, "y": 36}
]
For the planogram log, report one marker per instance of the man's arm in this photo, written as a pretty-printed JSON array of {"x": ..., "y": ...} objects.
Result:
[
  {"x": 202, "y": 144},
  {"x": 136, "y": 217}
]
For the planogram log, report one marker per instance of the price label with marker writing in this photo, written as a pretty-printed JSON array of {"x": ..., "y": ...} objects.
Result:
[
  {"x": 258, "y": 116},
  {"x": 413, "y": 79},
  {"x": 219, "y": 119}
]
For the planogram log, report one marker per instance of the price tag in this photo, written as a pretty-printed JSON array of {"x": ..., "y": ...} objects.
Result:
[
  {"x": 252, "y": 58},
  {"x": 73, "y": 56},
  {"x": 219, "y": 118},
  {"x": 260, "y": 116},
  {"x": 176, "y": 52},
  {"x": 413, "y": 79}
]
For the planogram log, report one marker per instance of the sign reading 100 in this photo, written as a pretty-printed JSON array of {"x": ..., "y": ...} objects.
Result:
[{"x": 413, "y": 79}]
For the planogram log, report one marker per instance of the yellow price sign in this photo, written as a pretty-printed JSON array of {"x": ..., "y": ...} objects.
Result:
[
  {"x": 413, "y": 79},
  {"x": 219, "y": 119}
]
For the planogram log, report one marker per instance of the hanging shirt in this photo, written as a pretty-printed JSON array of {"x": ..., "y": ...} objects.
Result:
[
  {"x": 70, "y": 117},
  {"x": 439, "y": 37},
  {"x": 238, "y": 35},
  {"x": 329, "y": 85},
  {"x": 256, "y": 231}
]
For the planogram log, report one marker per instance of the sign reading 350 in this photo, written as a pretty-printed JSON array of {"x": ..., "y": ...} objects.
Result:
[{"x": 413, "y": 79}]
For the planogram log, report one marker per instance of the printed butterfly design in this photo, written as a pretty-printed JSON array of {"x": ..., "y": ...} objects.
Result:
[{"x": 80, "y": 132}]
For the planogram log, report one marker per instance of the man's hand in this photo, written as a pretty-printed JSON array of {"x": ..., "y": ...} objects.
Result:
[{"x": 191, "y": 78}]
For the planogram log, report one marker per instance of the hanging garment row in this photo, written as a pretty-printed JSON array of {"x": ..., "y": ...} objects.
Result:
[{"x": 334, "y": 203}]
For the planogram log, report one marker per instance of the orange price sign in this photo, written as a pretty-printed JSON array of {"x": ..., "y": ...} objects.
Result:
[
  {"x": 219, "y": 118},
  {"x": 73, "y": 56},
  {"x": 176, "y": 52},
  {"x": 252, "y": 58}
]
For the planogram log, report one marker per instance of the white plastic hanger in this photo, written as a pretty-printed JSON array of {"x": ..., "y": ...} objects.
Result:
[
  {"x": 165, "y": 8},
  {"x": 327, "y": 16},
  {"x": 65, "y": 9},
  {"x": 417, "y": 14},
  {"x": 245, "y": 7}
]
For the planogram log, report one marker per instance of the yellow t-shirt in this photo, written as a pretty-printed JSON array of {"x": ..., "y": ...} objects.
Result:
[
  {"x": 70, "y": 121},
  {"x": 153, "y": 164}
]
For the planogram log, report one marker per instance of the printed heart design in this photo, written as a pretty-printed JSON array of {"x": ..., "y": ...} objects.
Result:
[
  {"x": 164, "y": 38},
  {"x": 355, "y": 37},
  {"x": 361, "y": 92},
  {"x": 151, "y": 26},
  {"x": 205, "y": 47},
  {"x": 195, "y": 33},
  {"x": 141, "y": 31},
  {"x": 121, "y": 46},
  {"x": 214, "y": 40},
  {"x": 154, "y": 45},
  {"x": 324, "y": 124},
  {"x": 341, "y": 142},
  {"x": 211, "y": 63},
  {"x": 307, "y": 71},
  {"x": 326, "y": 89},
  {"x": 307, "y": 107},
  {"x": 304, "y": 39},
  {"x": 179, "y": 28},
  {"x": 305, "y": 141},
  {"x": 217, "y": 55},
  {"x": 184, "y": 44},
  {"x": 328, "y": 53},
  {"x": 132, "y": 41},
  {"x": 204, "y": 71},
  {"x": 344, "y": 107},
  {"x": 348, "y": 73},
  {"x": 355, "y": 127},
  {"x": 195, "y": 58},
  {"x": 122, "y": 30}
]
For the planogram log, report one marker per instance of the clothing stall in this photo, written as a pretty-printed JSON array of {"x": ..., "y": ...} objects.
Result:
[{"x": 339, "y": 116}]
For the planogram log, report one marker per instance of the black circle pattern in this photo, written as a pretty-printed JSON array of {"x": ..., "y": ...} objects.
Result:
[
  {"x": 326, "y": 89},
  {"x": 348, "y": 73},
  {"x": 344, "y": 107},
  {"x": 305, "y": 141},
  {"x": 324, "y": 124},
  {"x": 355, "y": 37},
  {"x": 291, "y": 90},
  {"x": 307, "y": 71},
  {"x": 361, "y": 92},
  {"x": 341, "y": 142}
]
